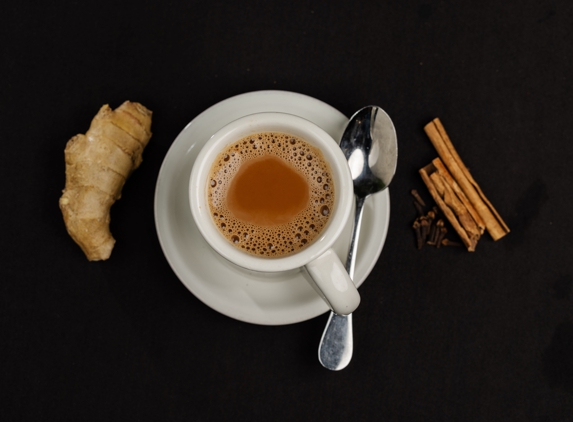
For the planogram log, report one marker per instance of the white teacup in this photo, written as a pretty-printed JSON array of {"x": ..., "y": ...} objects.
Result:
[{"x": 330, "y": 279}]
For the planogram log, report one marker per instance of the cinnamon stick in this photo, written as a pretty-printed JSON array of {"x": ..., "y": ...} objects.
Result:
[
  {"x": 451, "y": 200},
  {"x": 426, "y": 172},
  {"x": 459, "y": 193},
  {"x": 493, "y": 222}
]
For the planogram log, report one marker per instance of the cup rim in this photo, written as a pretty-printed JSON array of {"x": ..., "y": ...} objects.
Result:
[{"x": 267, "y": 122}]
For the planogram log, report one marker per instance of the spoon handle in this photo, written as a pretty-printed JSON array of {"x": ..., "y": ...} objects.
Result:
[
  {"x": 337, "y": 344},
  {"x": 351, "y": 259}
]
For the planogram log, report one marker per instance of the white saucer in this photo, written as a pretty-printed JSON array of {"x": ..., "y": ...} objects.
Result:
[{"x": 258, "y": 298}]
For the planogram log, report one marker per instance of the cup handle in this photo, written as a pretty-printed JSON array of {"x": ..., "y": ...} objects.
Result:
[{"x": 332, "y": 283}]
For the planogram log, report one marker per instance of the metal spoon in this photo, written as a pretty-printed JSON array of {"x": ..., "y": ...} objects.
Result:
[{"x": 370, "y": 145}]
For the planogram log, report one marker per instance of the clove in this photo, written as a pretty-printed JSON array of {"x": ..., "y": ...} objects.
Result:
[
  {"x": 432, "y": 235},
  {"x": 431, "y": 215},
  {"x": 441, "y": 233},
  {"x": 418, "y": 198},
  {"x": 448, "y": 242},
  {"x": 435, "y": 231},
  {"x": 419, "y": 208},
  {"x": 424, "y": 227},
  {"x": 419, "y": 239}
]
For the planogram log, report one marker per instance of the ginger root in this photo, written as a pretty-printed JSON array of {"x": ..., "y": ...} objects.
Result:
[{"x": 97, "y": 166}]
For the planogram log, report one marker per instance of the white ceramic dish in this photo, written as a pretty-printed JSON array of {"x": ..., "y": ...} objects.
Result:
[{"x": 259, "y": 298}]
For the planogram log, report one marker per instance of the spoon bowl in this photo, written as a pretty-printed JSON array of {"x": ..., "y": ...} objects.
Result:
[{"x": 370, "y": 145}]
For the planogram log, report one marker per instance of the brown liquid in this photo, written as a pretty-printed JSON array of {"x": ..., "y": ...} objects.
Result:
[
  {"x": 267, "y": 191},
  {"x": 270, "y": 194}
]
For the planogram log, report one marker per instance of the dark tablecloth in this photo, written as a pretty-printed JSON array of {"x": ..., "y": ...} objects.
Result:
[{"x": 441, "y": 334}]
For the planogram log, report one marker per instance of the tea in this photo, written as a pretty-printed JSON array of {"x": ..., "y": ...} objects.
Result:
[{"x": 270, "y": 194}]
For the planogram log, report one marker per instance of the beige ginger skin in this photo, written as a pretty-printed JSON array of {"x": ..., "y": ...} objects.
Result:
[{"x": 97, "y": 166}]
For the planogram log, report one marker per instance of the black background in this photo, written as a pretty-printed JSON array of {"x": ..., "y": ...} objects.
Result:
[{"x": 441, "y": 334}]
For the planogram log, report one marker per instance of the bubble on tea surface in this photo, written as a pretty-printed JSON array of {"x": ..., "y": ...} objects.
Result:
[{"x": 284, "y": 239}]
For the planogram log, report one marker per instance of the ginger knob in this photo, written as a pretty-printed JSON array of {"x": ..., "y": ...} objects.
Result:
[{"x": 97, "y": 166}]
